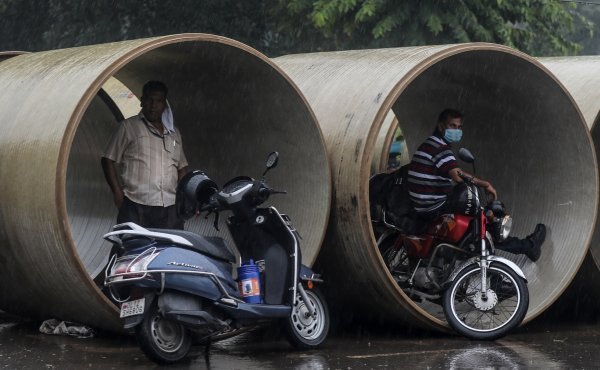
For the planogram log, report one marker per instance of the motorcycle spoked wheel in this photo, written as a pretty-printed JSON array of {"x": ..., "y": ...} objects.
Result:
[
  {"x": 396, "y": 259},
  {"x": 161, "y": 340},
  {"x": 303, "y": 330},
  {"x": 486, "y": 319}
]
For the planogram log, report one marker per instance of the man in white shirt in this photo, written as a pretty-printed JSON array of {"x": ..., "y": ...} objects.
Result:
[{"x": 150, "y": 155}]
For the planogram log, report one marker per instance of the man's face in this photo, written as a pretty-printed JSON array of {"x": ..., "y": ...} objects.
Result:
[
  {"x": 153, "y": 105},
  {"x": 452, "y": 123}
]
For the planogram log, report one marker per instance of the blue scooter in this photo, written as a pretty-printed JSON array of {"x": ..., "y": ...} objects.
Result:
[{"x": 172, "y": 283}]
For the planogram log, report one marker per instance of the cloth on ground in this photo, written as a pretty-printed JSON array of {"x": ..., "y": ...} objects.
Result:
[{"x": 57, "y": 327}]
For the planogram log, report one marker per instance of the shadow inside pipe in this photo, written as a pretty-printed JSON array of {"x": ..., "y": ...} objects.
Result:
[{"x": 232, "y": 109}]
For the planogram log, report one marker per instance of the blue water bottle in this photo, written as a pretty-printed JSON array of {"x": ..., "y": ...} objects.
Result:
[{"x": 249, "y": 282}]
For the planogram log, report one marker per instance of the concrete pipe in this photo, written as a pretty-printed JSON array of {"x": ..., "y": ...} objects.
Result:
[
  {"x": 529, "y": 137},
  {"x": 232, "y": 105},
  {"x": 581, "y": 76}
]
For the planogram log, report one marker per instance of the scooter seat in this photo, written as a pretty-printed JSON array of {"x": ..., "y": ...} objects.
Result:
[{"x": 212, "y": 246}]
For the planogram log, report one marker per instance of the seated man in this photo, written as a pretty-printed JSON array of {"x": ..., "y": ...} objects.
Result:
[{"x": 434, "y": 171}]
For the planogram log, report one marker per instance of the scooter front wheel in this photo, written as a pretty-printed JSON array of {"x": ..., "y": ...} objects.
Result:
[
  {"x": 304, "y": 330},
  {"x": 486, "y": 316},
  {"x": 163, "y": 341}
]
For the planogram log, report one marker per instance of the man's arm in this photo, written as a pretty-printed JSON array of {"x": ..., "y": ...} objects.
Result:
[
  {"x": 487, "y": 186},
  {"x": 181, "y": 172},
  {"x": 110, "y": 174}
]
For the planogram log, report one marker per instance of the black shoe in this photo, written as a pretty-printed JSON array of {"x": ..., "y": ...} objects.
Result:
[{"x": 537, "y": 239}]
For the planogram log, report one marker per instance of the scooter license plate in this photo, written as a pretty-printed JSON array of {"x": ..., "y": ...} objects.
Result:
[{"x": 132, "y": 308}]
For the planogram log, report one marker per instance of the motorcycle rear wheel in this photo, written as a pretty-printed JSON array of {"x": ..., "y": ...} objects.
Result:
[
  {"x": 303, "y": 330},
  {"x": 395, "y": 258},
  {"x": 502, "y": 310},
  {"x": 161, "y": 340}
]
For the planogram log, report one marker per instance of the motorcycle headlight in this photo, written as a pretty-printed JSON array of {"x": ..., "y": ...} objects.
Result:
[{"x": 505, "y": 226}]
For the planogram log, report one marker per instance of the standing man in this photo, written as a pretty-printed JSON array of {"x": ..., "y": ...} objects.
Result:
[
  {"x": 433, "y": 173},
  {"x": 149, "y": 150}
]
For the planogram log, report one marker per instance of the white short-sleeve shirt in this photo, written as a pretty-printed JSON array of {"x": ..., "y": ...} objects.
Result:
[{"x": 148, "y": 161}]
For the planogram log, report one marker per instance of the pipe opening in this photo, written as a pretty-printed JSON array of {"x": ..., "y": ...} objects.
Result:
[
  {"x": 232, "y": 105},
  {"x": 529, "y": 140},
  {"x": 232, "y": 111}
]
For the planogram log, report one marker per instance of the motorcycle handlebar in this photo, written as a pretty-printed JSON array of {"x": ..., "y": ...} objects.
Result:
[{"x": 467, "y": 179}]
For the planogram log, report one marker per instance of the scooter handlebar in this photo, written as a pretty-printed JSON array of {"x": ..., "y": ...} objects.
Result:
[
  {"x": 269, "y": 191},
  {"x": 211, "y": 206}
]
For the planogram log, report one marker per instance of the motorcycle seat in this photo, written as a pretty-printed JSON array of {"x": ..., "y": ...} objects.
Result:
[{"x": 212, "y": 246}]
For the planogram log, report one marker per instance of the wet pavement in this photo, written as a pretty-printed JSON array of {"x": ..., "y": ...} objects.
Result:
[{"x": 564, "y": 346}]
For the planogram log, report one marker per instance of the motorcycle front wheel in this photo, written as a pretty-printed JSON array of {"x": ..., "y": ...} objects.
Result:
[
  {"x": 487, "y": 317},
  {"x": 303, "y": 330},
  {"x": 162, "y": 341}
]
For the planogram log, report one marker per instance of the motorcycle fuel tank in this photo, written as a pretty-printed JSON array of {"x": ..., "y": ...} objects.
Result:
[{"x": 450, "y": 228}]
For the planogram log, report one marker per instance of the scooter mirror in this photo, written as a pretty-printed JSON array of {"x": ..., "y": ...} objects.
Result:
[
  {"x": 272, "y": 160},
  {"x": 466, "y": 155}
]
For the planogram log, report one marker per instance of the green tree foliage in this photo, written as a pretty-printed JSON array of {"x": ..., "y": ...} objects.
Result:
[
  {"x": 538, "y": 27},
  {"x": 582, "y": 35},
  {"x": 276, "y": 27},
  {"x": 39, "y": 25}
]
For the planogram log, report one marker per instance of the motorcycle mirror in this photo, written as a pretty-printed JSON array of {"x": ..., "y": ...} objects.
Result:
[
  {"x": 466, "y": 155},
  {"x": 272, "y": 160}
]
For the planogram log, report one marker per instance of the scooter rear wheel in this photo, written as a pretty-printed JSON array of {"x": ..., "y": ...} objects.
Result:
[
  {"x": 161, "y": 340},
  {"x": 303, "y": 330}
]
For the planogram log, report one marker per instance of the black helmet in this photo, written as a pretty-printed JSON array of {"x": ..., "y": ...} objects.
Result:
[
  {"x": 193, "y": 190},
  {"x": 464, "y": 200}
]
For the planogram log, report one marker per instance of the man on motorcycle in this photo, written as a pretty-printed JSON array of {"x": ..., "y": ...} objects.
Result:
[{"x": 434, "y": 171}]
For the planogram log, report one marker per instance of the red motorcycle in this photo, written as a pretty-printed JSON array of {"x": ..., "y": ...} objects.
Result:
[{"x": 452, "y": 261}]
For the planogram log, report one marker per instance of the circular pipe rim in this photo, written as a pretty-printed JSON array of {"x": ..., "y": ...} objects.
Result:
[{"x": 391, "y": 97}]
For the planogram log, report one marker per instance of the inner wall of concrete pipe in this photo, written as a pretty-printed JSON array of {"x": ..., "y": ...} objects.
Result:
[
  {"x": 528, "y": 135},
  {"x": 233, "y": 107},
  {"x": 581, "y": 76},
  {"x": 515, "y": 125}
]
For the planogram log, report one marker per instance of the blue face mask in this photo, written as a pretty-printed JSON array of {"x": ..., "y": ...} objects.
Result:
[{"x": 453, "y": 135}]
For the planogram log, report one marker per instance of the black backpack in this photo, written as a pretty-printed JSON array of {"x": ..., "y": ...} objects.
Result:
[{"x": 389, "y": 192}]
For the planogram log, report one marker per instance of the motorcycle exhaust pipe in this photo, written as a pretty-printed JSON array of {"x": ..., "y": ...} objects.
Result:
[
  {"x": 528, "y": 136},
  {"x": 232, "y": 105}
]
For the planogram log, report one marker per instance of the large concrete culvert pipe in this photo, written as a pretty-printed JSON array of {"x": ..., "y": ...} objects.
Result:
[
  {"x": 528, "y": 136},
  {"x": 581, "y": 77},
  {"x": 232, "y": 105}
]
